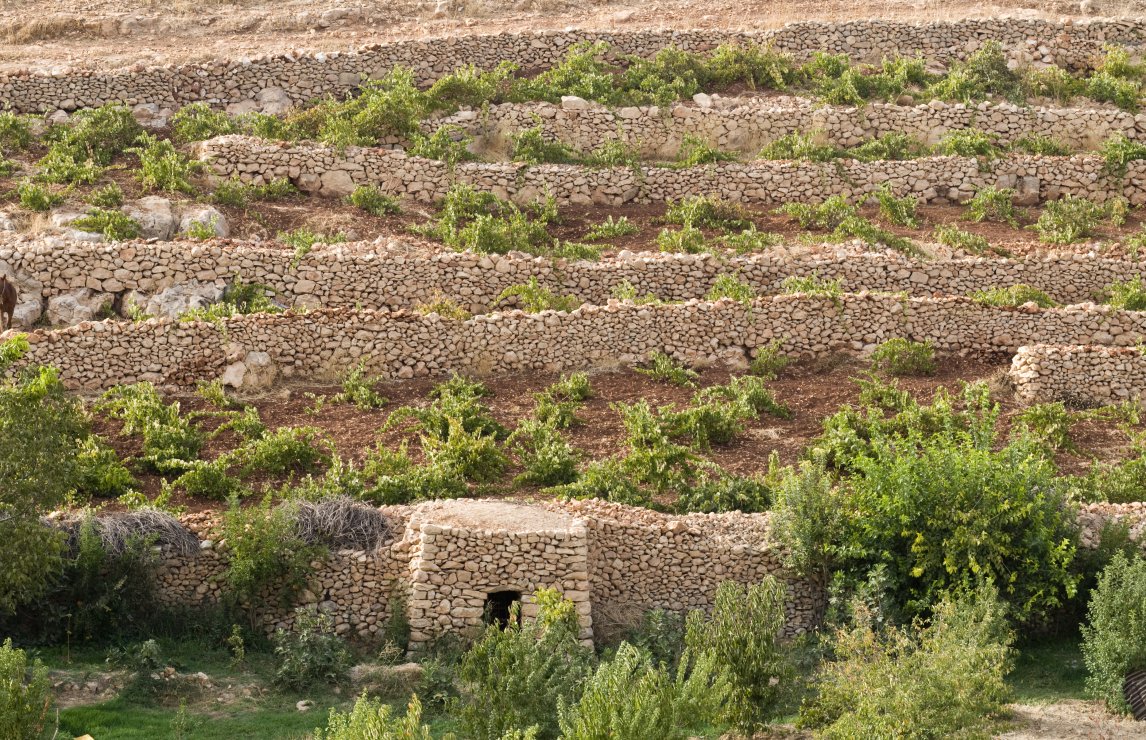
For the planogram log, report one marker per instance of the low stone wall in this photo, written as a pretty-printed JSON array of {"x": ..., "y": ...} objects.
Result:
[
  {"x": 745, "y": 125},
  {"x": 1094, "y": 518},
  {"x": 301, "y": 77},
  {"x": 452, "y": 555},
  {"x": 397, "y": 274},
  {"x": 1078, "y": 375},
  {"x": 254, "y": 351},
  {"x": 336, "y": 173}
]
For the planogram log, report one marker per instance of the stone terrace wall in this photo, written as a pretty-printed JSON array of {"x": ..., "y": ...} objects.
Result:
[
  {"x": 934, "y": 179},
  {"x": 304, "y": 76},
  {"x": 324, "y": 344},
  {"x": 1093, "y": 518},
  {"x": 641, "y": 560},
  {"x": 397, "y": 275},
  {"x": 1079, "y": 375},
  {"x": 747, "y": 124}
]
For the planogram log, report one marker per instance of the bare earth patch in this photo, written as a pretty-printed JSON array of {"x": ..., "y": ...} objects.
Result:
[{"x": 1071, "y": 719}]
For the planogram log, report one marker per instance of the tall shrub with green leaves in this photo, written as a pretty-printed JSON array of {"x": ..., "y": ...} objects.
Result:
[
  {"x": 1114, "y": 638},
  {"x": 25, "y": 695},
  {"x": 268, "y": 563}
]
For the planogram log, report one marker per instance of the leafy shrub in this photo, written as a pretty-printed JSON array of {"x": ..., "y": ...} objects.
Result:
[
  {"x": 755, "y": 65},
  {"x": 695, "y": 151},
  {"x": 1054, "y": 82},
  {"x": 109, "y": 196},
  {"x": 209, "y": 480},
  {"x": 535, "y": 297},
  {"x": 169, "y": 439},
  {"x": 713, "y": 494},
  {"x": 267, "y": 558},
  {"x": 198, "y": 122},
  {"x": 374, "y": 201},
  {"x": 239, "y": 299},
  {"x": 968, "y": 142},
  {"x": 36, "y": 197},
  {"x": 1012, "y": 297},
  {"x": 285, "y": 450},
  {"x": 303, "y": 240},
  {"x": 358, "y": 389},
  {"x": 102, "y": 473},
  {"x": 703, "y": 211},
  {"x": 371, "y": 719},
  {"x": 984, "y": 73},
  {"x": 810, "y": 519},
  {"x": 942, "y": 680},
  {"x": 1106, "y": 88},
  {"x": 547, "y": 459},
  {"x": 899, "y": 211},
  {"x": 813, "y": 285},
  {"x": 952, "y": 236},
  {"x": 743, "y": 634},
  {"x": 557, "y": 404},
  {"x": 311, "y": 653},
  {"x": 768, "y": 361},
  {"x": 799, "y": 146},
  {"x": 904, "y": 357},
  {"x": 951, "y": 512},
  {"x": 610, "y": 229},
  {"x": 235, "y": 192},
  {"x": 751, "y": 240},
  {"x": 1114, "y": 638},
  {"x": 732, "y": 287},
  {"x": 114, "y": 225},
  {"x": 162, "y": 167},
  {"x": 531, "y": 147},
  {"x": 1118, "y": 152},
  {"x": 25, "y": 695},
  {"x": 1128, "y": 295},
  {"x": 1048, "y": 423},
  {"x": 515, "y": 678},
  {"x": 79, "y": 150},
  {"x": 468, "y": 86},
  {"x": 470, "y": 454},
  {"x": 631, "y": 697},
  {"x": 894, "y": 146},
  {"x": 1041, "y": 145},
  {"x": 666, "y": 369},
  {"x": 15, "y": 131},
  {"x": 479, "y": 221},
  {"x": 448, "y": 144},
  {"x": 827, "y": 215},
  {"x": 686, "y": 240},
  {"x": 1068, "y": 220}
]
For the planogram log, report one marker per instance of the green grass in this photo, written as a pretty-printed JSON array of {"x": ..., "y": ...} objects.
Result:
[{"x": 1049, "y": 670}]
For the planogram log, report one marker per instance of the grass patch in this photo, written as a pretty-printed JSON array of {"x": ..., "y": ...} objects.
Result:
[{"x": 1049, "y": 670}]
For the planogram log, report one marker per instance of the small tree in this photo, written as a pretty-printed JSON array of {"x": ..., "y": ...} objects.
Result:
[
  {"x": 1114, "y": 640},
  {"x": 25, "y": 695}
]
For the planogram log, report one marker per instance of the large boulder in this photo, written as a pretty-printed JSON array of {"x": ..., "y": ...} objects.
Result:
[
  {"x": 84, "y": 304},
  {"x": 62, "y": 220},
  {"x": 274, "y": 101},
  {"x": 197, "y": 213},
  {"x": 155, "y": 215},
  {"x": 178, "y": 299},
  {"x": 6, "y": 223}
]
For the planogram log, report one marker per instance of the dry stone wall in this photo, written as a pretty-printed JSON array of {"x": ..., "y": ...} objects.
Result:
[
  {"x": 396, "y": 274},
  {"x": 745, "y": 125},
  {"x": 300, "y": 76},
  {"x": 452, "y": 555},
  {"x": 1079, "y": 375},
  {"x": 254, "y": 351},
  {"x": 336, "y": 173}
]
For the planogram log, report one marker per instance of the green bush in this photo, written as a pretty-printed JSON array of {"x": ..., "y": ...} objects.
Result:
[
  {"x": 665, "y": 369},
  {"x": 515, "y": 678},
  {"x": 810, "y": 518},
  {"x": 985, "y": 72},
  {"x": 15, "y": 131},
  {"x": 102, "y": 474},
  {"x": 374, "y": 201},
  {"x": 630, "y": 697},
  {"x": 209, "y": 480},
  {"x": 827, "y": 215},
  {"x": 234, "y": 192},
  {"x": 1055, "y": 83},
  {"x": 894, "y": 146},
  {"x": 1118, "y": 152},
  {"x": 470, "y": 454},
  {"x": 285, "y": 450},
  {"x": 695, "y": 151},
  {"x": 358, "y": 389},
  {"x": 703, "y": 211},
  {"x": 25, "y": 695},
  {"x": 952, "y": 236},
  {"x": 714, "y": 494},
  {"x": 531, "y": 147},
  {"x": 310, "y": 653},
  {"x": 1114, "y": 638},
  {"x": 750, "y": 240},
  {"x": 610, "y": 229},
  {"x": 479, "y": 221},
  {"x": 302, "y": 240},
  {"x": 1041, "y": 145},
  {"x": 743, "y": 635},
  {"x": 686, "y": 240},
  {"x": 968, "y": 142},
  {"x": 109, "y": 196},
  {"x": 268, "y": 563},
  {"x": 813, "y": 285},
  {"x": 1013, "y": 297},
  {"x": 169, "y": 439},
  {"x": 239, "y": 299},
  {"x": 754, "y": 65},
  {"x": 899, "y": 211},
  {"x": 468, "y": 86},
  {"x": 115, "y": 226},
  {"x": 948, "y": 512},
  {"x": 800, "y": 146},
  {"x": 162, "y": 167},
  {"x": 1128, "y": 295},
  {"x": 904, "y": 357},
  {"x": 547, "y": 459},
  {"x": 36, "y": 197},
  {"x": 945, "y": 679},
  {"x": 449, "y": 144},
  {"x": 198, "y": 122},
  {"x": 370, "y": 719},
  {"x": 768, "y": 361},
  {"x": 1106, "y": 88},
  {"x": 535, "y": 298},
  {"x": 79, "y": 150},
  {"x": 732, "y": 287},
  {"x": 1068, "y": 220}
]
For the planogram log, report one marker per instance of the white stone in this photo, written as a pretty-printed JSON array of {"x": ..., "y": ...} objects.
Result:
[
  {"x": 155, "y": 216},
  {"x": 198, "y": 213}
]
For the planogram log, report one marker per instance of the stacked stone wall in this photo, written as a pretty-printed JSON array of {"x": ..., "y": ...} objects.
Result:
[
  {"x": 323, "y": 345},
  {"x": 305, "y": 76},
  {"x": 1079, "y": 375},
  {"x": 396, "y": 275},
  {"x": 745, "y": 125},
  {"x": 335, "y": 172}
]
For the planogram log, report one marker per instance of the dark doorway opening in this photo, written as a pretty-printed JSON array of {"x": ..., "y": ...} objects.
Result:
[{"x": 499, "y": 608}]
